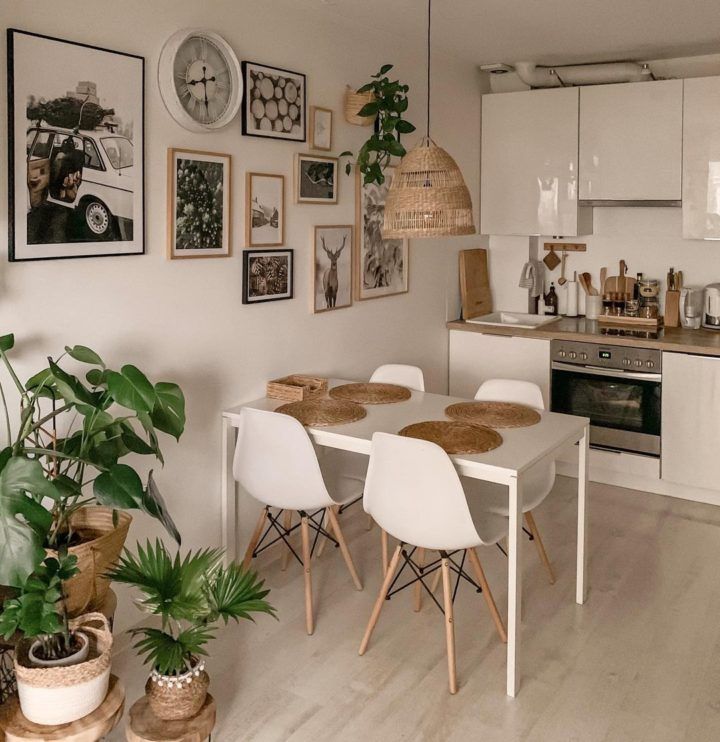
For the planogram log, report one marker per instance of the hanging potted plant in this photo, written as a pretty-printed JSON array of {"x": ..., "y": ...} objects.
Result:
[
  {"x": 191, "y": 595},
  {"x": 62, "y": 665},
  {"x": 62, "y": 486}
]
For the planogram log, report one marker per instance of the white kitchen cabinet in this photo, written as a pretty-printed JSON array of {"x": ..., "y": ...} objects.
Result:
[
  {"x": 691, "y": 420},
  {"x": 529, "y": 164},
  {"x": 701, "y": 158},
  {"x": 631, "y": 141},
  {"x": 476, "y": 357}
]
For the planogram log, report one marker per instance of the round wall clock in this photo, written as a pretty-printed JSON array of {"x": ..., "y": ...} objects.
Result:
[{"x": 200, "y": 80}]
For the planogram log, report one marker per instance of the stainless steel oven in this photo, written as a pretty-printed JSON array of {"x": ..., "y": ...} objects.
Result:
[{"x": 619, "y": 388}]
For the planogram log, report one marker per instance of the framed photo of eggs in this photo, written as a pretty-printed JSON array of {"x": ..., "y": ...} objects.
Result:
[{"x": 274, "y": 105}]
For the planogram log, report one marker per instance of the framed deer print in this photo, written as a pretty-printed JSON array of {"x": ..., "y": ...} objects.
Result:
[{"x": 332, "y": 267}]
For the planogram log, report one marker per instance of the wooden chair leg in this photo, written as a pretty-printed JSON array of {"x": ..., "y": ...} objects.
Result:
[
  {"x": 384, "y": 548},
  {"x": 344, "y": 547},
  {"x": 380, "y": 600},
  {"x": 532, "y": 527},
  {"x": 436, "y": 581},
  {"x": 328, "y": 527},
  {"x": 480, "y": 576},
  {"x": 287, "y": 522},
  {"x": 449, "y": 624},
  {"x": 254, "y": 539},
  {"x": 417, "y": 598},
  {"x": 305, "y": 531}
]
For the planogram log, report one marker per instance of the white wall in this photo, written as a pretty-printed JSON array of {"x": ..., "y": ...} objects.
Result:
[{"x": 184, "y": 320}]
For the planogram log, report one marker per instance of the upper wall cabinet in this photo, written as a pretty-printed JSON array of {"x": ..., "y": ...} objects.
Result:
[
  {"x": 631, "y": 141},
  {"x": 701, "y": 158},
  {"x": 530, "y": 164}
]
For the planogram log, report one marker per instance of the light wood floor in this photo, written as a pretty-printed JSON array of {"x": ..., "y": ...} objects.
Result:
[{"x": 640, "y": 661}]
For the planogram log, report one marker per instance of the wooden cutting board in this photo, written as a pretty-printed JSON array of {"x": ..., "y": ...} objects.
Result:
[
  {"x": 621, "y": 284},
  {"x": 474, "y": 283}
]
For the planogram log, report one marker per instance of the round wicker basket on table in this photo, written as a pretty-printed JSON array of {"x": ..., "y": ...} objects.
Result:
[
  {"x": 321, "y": 413},
  {"x": 494, "y": 414},
  {"x": 455, "y": 437},
  {"x": 371, "y": 393}
]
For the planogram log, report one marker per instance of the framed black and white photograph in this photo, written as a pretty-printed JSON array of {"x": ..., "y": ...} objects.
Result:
[
  {"x": 267, "y": 275},
  {"x": 75, "y": 141},
  {"x": 382, "y": 266},
  {"x": 316, "y": 179},
  {"x": 264, "y": 209},
  {"x": 274, "y": 103},
  {"x": 321, "y": 128},
  {"x": 332, "y": 267},
  {"x": 199, "y": 198}
]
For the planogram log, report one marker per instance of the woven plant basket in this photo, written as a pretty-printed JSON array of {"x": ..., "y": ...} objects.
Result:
[
  {"x": 59, "y": 695},
  {"x": 99, "y": 550},
  {"x": 354, "y": 102},
  {"x": 174, "y": 697}
]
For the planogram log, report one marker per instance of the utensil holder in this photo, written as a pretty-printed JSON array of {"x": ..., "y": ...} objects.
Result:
[{"x": 593, "y": 306}]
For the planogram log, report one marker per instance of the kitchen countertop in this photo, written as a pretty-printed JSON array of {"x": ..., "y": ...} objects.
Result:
[{"x": 672, "y": 339}]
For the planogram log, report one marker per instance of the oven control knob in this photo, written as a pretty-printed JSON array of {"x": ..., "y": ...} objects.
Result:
[
  {"x": 583, "y": 356},
  {"x": 638, "y": 363},
  {"x": 561, "y": 353},
  {"x": 649, "y": 364},
  {"x": 572, "y": 354},
  {"x": 626, "y": 362}
]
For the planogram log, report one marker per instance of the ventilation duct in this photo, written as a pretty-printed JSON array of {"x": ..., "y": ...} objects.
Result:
[{"x": 581, "y": 74}]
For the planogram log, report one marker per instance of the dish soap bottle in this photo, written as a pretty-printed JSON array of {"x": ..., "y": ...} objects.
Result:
[{"x": 551, "y": 301}]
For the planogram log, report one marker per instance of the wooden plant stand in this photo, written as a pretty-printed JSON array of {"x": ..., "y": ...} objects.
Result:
[
  {"x": 144, "y": 726},
  {"x": 90, "y": 728}
]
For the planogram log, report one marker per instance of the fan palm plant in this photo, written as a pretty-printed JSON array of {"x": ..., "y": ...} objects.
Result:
[{"x": 191, "y": 595}]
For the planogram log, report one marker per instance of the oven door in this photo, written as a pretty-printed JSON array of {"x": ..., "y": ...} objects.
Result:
[{"x": 623, "y": 406}]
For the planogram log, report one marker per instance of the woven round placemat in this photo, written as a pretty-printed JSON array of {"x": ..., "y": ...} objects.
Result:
[
  {"x": 371, "y": 393},
  {"x": 455, "y": 437},
  {"x": 321, "y": 413},
  {"x": 494, "y": 414}
]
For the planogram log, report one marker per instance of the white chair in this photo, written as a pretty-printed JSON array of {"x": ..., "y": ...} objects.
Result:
[
  {"x": 539, "y": 481},
  {"x": 414, "y": 493},
  {"x": 276, "y": 463},
  {"x": 399, "y": 373}
]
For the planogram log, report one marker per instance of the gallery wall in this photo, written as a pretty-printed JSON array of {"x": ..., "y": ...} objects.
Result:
[{"x": 184, "y": 320}]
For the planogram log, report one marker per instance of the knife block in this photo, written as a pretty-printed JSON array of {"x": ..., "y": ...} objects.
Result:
[{"x": 672, "y": 308}]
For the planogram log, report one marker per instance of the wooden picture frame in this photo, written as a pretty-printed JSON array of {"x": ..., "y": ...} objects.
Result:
[
  {"x": 263, "y": 265},
  {"x": 321, "y": 123},
  {"x": 382, "y": 267},
  {"x": 203, "y": 174},
  {"x": 338, "y": 256},
  {"x": 316, "y": 179},
  {"x": 264, "y": 209}
]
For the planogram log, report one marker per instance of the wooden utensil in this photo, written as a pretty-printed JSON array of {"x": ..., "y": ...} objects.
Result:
[
  {"x": 591, "y": 290},
  {"x": 603, "y": 278},
  {"x": 474, "y": 283},
  {"x": 562, "y": 280},
  {"x": 551, "y": 260},
  {"x": 583, "y": 282}
]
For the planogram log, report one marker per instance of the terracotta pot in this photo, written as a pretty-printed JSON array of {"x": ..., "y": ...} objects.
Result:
[{"x": 178, "y": 696}]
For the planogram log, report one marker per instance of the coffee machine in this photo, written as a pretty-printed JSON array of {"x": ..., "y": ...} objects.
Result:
[{"x": 711, "y": 307}]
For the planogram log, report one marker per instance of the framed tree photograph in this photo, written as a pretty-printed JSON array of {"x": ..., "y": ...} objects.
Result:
[
  {"x": 274, "y": 103},
  {"x": 316, "y": 179},
  {"x": 75, "y": 149},
  {"x": 264, "y": 209},
  {"x": 332, "y": 267},
  {"x": 381, "y": 266},
  {"x": 321, "y": 128},
  {"x": 199, "y": 191},
  {"x": 268, "y": 275}
]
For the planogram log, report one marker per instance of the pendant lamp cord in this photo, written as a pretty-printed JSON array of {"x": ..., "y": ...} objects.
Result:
[{"x": 428, "y": 68}]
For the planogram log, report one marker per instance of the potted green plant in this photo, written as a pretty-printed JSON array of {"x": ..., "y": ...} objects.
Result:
[
  {"x": 388, "y": 104},
  {"x": 62, "y": 483},
  {"x": 58, "y": 678},
  {"x": 191, "y": 595}
]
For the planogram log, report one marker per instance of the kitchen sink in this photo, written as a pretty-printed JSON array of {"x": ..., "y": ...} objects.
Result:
[{"x": 514, "y": 319}]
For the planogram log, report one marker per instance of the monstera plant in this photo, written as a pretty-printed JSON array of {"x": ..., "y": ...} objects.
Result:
[{"x": 65, "y": 453}]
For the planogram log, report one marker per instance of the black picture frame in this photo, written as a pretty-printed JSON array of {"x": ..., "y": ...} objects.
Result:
[
  {"x": 248, "y": 255},
  {"x": 104, "y": 247},
  {"x": 252, "y": 131}
]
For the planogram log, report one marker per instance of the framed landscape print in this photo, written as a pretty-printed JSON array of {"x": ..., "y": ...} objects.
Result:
[
  {"x": 332, "y": 267},
  {"x": 75, "y": 149},
  {"x": 274, "y": 103},
  {"x": 268, "y": 275},
  {"x": 316, "y": 180},
  {"x": 321, "y": 128},
  {"x": 382, "y": 266},
  {"x": 198, "y": 204},
  {"x": 264, "y": 209}
]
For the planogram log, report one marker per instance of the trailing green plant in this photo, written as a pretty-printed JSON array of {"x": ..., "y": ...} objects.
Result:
[
  {"x": 389, "y": 105},
  {"x": 38, "y": 612},
  {"x": 66, "y": 452},
  {"x": 191, "y": 595}
]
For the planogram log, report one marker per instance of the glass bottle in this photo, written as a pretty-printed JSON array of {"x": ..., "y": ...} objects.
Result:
[{"x": 551, "y": 301}]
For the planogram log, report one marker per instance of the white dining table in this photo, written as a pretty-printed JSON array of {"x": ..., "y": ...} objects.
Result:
[{"x": 521, "y": 449}]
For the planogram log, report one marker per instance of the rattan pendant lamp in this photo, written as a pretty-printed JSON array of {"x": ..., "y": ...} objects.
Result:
[{"x": 428, "y": 196}]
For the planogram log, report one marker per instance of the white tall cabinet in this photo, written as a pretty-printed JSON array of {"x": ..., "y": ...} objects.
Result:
[
  {"x": 529, "y": 167},
  {"x": 701, "y": 159},
  {"x": 631, "y": 141}
]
